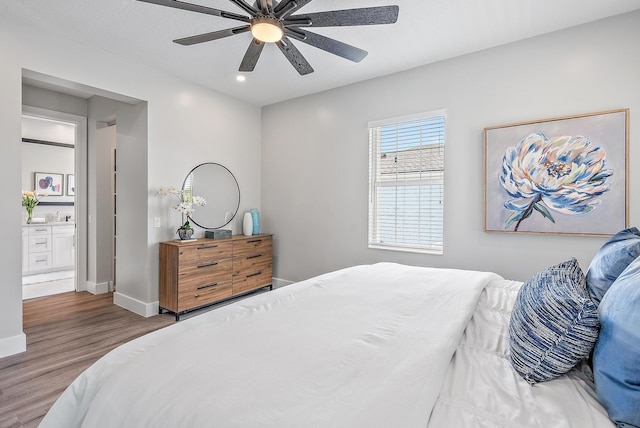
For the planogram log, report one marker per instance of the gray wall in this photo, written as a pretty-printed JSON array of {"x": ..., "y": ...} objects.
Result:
[{"x": 314, "y": 149}]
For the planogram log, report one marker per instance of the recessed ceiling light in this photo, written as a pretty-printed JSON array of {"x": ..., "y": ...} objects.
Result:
[{"x": 240, "y": 78}]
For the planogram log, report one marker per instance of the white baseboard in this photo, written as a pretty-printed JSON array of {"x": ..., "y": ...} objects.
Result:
[
  {"x": 134, "y": 305},
  {"x": 277, "y": 282},
  {"x": 98, "y": 288},
  {"x": 13, "y": 345}
]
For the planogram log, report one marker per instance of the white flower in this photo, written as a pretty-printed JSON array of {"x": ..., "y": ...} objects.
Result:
[
  {"x": 565, "y": 174},
  {"x": 186, "y": 204},
  {"x": 199, "y": 200}
]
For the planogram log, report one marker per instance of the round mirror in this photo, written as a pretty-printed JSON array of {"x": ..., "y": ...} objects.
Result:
[{"x": 218, "y": 186}]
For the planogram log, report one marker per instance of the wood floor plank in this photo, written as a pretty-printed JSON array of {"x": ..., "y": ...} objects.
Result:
[{"x": 66, "y": 333}]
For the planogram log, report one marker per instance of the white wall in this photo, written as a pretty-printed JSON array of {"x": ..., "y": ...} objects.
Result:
[
  {"x": 314, "y": 161},
  {"x": 187, "y": 125}
]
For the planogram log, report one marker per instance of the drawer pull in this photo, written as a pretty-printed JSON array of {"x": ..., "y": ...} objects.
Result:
[
  {"x": 254, "y": 257},
  {"x": 41, "y": 230},
  {"x": 207, "y": 286},
  {"x": 254, "y": 274},
  {"x": 255, "y": 241},
  {"x": 207, "y": 265},
  {"x": 204, "y": 247}
]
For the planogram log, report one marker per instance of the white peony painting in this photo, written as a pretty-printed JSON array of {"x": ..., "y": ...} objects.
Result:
[{"x": 563, "y": 176}]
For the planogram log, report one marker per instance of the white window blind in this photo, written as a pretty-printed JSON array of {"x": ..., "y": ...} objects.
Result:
[{"x": 406, "y": 183}]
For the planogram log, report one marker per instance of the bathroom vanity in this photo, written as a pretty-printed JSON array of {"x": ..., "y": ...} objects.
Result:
[{"x": 47, "y": 247}]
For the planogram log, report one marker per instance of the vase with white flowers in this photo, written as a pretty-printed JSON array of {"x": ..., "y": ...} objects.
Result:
[
  {"x": 29, "y": 201},
  {"x": 186, "y": 205}
]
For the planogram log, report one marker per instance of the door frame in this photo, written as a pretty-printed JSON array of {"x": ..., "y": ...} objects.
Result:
[{"x": 80, "y": 203}]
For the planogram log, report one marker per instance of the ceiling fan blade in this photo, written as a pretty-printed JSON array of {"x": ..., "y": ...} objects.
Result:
[
  {"x": 347, "y": 17},
  {"x": 197, "y": 8},
  {"x": 207, "y": 37},
  {"x": 251, "y": 56},
  {"x": 333, "y": 46},
  {"x": 294, "y": 56},
  {"x": 266, "y": 5},
  {"x": 287, "y": 7},
  {"x": 245, "y": 6}
]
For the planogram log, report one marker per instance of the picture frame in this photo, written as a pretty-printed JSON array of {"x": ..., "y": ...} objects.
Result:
[
  {"x": 71, "y": 184},
  {"x": 562, "y": 176},
  {"x": 49, "y": 184}
]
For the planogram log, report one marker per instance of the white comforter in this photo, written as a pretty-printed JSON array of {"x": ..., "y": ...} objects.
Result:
[{"x": 366, "y": 346}]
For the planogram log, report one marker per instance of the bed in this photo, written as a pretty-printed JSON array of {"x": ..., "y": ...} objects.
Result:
[{"x": 382, "y": 345}]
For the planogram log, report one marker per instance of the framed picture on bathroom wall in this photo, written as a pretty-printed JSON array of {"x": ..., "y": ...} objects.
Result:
[
  {"x": 71, "y": 184},
  {"x": 48, "y": 183}
]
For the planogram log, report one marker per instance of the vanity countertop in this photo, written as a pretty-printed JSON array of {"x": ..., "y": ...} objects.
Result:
[{"x": 51, "y": 223}]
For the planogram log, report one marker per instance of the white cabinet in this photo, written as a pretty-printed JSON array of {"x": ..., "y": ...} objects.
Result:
[
  {"x": 39, "y": 248},
  {"x": 63, "y": 249},
  {"x": 47, "y": 247}
]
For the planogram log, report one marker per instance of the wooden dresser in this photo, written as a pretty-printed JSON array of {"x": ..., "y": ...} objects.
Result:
[{"x": 198, "y": 273}]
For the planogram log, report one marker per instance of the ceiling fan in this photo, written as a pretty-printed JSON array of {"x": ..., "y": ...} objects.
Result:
[{"x": 273, "y": 22}]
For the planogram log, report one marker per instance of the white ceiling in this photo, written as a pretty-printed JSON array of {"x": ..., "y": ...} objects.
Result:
[{"x": 426, "y": 31}]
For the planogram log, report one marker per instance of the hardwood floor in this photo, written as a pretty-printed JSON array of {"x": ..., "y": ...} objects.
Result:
[{"x": 66, "y": 333}]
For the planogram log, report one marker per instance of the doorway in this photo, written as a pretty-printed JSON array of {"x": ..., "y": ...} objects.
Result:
[{"x": 48, "y": 180}]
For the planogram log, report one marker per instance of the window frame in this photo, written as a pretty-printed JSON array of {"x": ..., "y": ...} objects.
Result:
[{"x": 375, "y": 153}]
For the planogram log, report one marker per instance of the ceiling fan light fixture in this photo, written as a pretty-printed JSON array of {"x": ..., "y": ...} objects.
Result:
[{"x": 267, "y": 30}]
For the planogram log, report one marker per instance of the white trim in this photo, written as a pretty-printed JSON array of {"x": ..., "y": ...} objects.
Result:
[
  {"x": 136, "y": 306},
  {"x": 278, "y": 282},
  {"x": 13, "y": 345},
  {"x": 98, "y": 288},
  {"x": 408, "y": 118}
]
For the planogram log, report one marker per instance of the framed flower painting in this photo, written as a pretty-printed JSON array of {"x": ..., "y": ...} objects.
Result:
[{"x": 563, "y": 176}]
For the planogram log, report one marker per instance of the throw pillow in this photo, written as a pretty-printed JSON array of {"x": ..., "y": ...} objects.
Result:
[
  {"x": 554, "y": 323},
  {"x": 616, "y": 358},
  {"x": 609, "y": 262}
]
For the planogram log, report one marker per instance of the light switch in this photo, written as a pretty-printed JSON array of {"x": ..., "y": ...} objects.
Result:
[{"x": 156, "y": 222}]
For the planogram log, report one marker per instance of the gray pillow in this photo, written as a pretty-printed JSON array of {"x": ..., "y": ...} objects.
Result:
[{"x": 554, "y": 323}]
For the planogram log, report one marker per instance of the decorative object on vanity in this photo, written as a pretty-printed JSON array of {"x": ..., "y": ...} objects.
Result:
[
  {"x": 196, "y": 274},
  {"x": 273, "y": 22},
  {"x": 29, "y": 201},
  {"x": 564, "y": 175},
  {"x": 247, "y": 224},
  {"x": 215, "y": 183},
  {"x": 49, "y": 183},
  {"x": 186, "y": 205}
]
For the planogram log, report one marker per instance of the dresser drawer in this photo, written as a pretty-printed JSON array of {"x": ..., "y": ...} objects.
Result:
[
  {"x": 204, "y": 294},
  {"x": 252, "y": 262},
  {"x": 204, "y": 253},
  {"x": 243, "y": 247},
  {"x": 195, "y": 276},
  {"x": 259, "y": 275}
]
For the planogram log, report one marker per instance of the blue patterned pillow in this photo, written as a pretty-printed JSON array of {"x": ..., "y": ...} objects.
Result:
[
  {"x": 554, "y": 323},
  {"x": 616, "y": 358},
  {"x": 610, "y": 260}
]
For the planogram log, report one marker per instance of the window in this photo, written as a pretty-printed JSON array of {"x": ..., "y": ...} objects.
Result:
[{"x": 406, "y": 183}]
